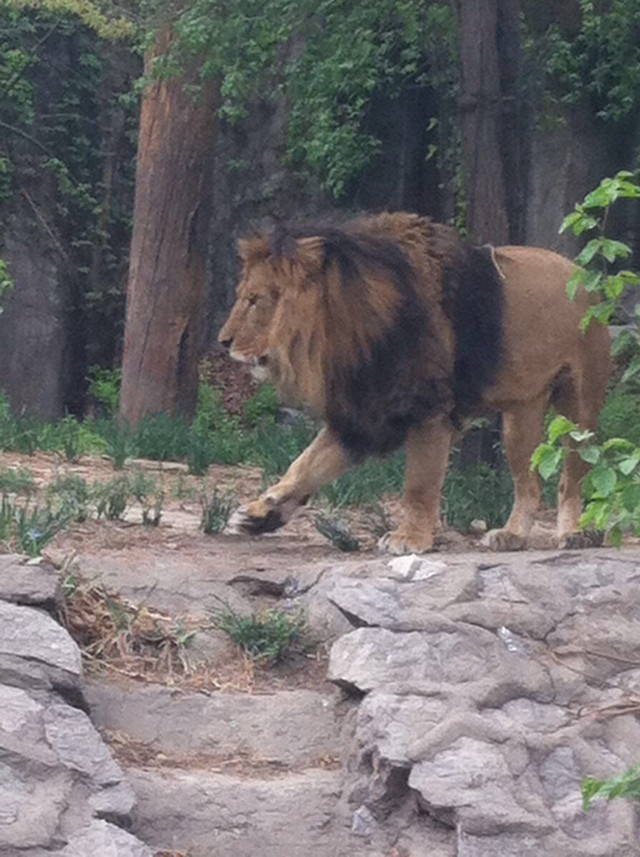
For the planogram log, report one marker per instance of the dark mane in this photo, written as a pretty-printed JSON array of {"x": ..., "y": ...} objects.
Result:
[{"x": 406, "y": 373}]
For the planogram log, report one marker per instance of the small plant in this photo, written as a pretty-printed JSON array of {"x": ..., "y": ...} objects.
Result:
[
  {"x": 104, "y": 386},
  {"x": 161, "y": 437},
  {"x": 119, "y": 441},
  {"x": 199, "y": 450},
  {"x": 111, "y": 498},
  {"x": 6, "y": 281},
  {"x": 625, "y": 785},
  {"x": 215, "y": 511},
  {"x": 69, "y": 495},
  {"x": 261, "y": 408},
  {"x": 70, "y": 438},
  {"x": 27, "y": 528},
  {"x": 17, "y": 481},
  {"x": 271, "y": 636},
  {"x": 612, "y": 486},
  {"x": 145, "y": 490},
  {"x": 337, "y": 533}
]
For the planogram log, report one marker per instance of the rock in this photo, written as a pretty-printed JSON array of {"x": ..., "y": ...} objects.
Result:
[
  {"x": 24, "y": 581},
  {"x": 59, "y": 785},
  {"x": 370, "y": 658},
  {"x": 297, "y": 726},
  {"x": 491, "y": 720},
  {"x": 478, "y": 527},
  {"x": 101, "y": 839},
  {"x": 35, "y": 651}
]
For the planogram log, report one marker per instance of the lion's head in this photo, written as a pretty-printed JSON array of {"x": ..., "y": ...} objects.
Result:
[{"x": 350, "y": 320}]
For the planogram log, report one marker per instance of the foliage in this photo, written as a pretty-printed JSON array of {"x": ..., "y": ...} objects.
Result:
[
  {"x": 70, "y": 496},
  {"x": 216, "y": 510},
  {"x": 327, "y": 58},
  {"x": 28, "y": 528},
  {"x": 600, "y": 63},
  {"x": 477, "y": 492},
  {"x": 6, "y": 282},
  {"x": 612, "y": 486},
  {"x": 145, "y": 490},
  {"x": 111, "y": 498},
  {"x": 271, "y": 636},
  {"x": 337, "y": 532},
  {"x": 600, "y": 253},
  {"x": 104, "y": 386},
  {"x": 262, "y": 407},
  {"x": 98, "y": 16},
  {"x": 626, "y": 785},
  {"x": 17, "y": 481}
]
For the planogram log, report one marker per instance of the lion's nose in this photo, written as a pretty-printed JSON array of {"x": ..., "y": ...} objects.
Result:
[{"x": 226, "y": 343}]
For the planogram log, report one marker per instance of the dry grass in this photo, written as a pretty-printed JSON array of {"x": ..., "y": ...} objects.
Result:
[{"x": 133, "y": 640}]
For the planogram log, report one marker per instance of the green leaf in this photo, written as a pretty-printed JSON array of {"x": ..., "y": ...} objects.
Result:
[
  {"x": 589, "y": 251},
  {"x": 550, "y": 462},
  {"x": 604, "y": 481},
  {"x": 612, "y": 250},
  {"x": 619, "y": 444},
  {"x": 581, "y": 435},
  {"x": 590, "y": 454},
  {"x": 632, "y": 369},
  {"x": 628, "y": 465},
  {"x": 574, "y": 283},
  {"x": 559, "y": 427},
  {"x": 631, "y": 498}
]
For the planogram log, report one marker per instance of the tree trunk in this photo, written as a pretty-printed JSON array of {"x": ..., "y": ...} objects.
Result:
[
  {"x": 489, "y": 41},
  {"x": 166, "y": 290}
]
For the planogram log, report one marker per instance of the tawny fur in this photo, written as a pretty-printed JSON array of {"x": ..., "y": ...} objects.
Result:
[{"x": 296, "y": 319}]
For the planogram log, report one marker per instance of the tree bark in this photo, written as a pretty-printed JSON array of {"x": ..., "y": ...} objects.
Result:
[
  {"x": 166, "y": 289},
  {"x": 489, "y": 43}
]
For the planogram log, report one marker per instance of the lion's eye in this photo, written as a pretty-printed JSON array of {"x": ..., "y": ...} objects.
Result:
[{"x": 253, "y": 300}]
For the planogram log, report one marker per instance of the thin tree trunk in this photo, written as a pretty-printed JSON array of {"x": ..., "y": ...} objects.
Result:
[{"x": 166, "y": 290}]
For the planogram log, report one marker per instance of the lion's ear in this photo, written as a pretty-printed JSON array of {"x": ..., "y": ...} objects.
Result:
[
  {"x": 252, "y": 249},
  {"x": 310, "y": 254}
]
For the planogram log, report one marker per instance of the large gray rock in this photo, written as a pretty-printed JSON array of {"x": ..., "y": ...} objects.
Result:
[
  {"x": 60, "y": 789},
  {"x": 484, "y": 680},
  {"x": 296, "y": 726}
]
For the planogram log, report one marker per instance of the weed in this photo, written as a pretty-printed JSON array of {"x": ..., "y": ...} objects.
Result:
[
  {"x": 28, "y": 528},
  {"x": 104, "y": 386},
  {"x": 270, "y": 636},
  {"x": 261, "y": 408},
  {"x": 145, "y": 490},
  {"x": 17, "y": 481},
  {"x": 626, "y": 785},
  {"x": 70, "y": 438},
  {"x": 111, "y": 498},
  {"x": 161, "y": 437},
  {"x": 69, "y": 495},
  {"x": 215, "y": 511},
  {"x": 478, "y": 491},
  {"x": 199, "y": 451},
  {"x": 119, "y": 441},
  {"x": 337, "y": 533},
  {"x": 371, "y": 481}
]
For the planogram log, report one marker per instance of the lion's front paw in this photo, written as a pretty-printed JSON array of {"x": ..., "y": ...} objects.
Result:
[
  {"x": 504, "y": 540},
  {"x": 580, "y": 540},
  {"x": 400, "y": 542},
  {"x": 253, "y": 520}
]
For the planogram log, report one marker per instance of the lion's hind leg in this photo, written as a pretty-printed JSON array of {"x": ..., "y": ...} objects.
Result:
[
  {"x": 521, "y": 433},
  {"x": 321, "y": 462},
  {"x": 427, "y": 451}
]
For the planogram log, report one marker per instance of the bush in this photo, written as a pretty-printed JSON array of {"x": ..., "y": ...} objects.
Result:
[
  {"x": 271, "y": 636},
  {"x": 215, "y": 512}
]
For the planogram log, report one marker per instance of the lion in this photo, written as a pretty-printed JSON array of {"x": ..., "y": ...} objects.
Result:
[{"x": 394, "y": 331}]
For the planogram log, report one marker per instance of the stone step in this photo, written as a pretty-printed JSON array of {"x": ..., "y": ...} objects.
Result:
[
  {"x": 291, "y": 727},
  {"x": 206, "y": 815}
]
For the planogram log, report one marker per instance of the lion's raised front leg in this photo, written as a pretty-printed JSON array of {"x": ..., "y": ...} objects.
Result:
[
  {"x": 321, "y": 462},
  {"x": 427, "y": 458}
]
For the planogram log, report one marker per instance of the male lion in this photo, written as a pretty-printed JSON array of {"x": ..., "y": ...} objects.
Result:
[{"x": 394, "y": 330}]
